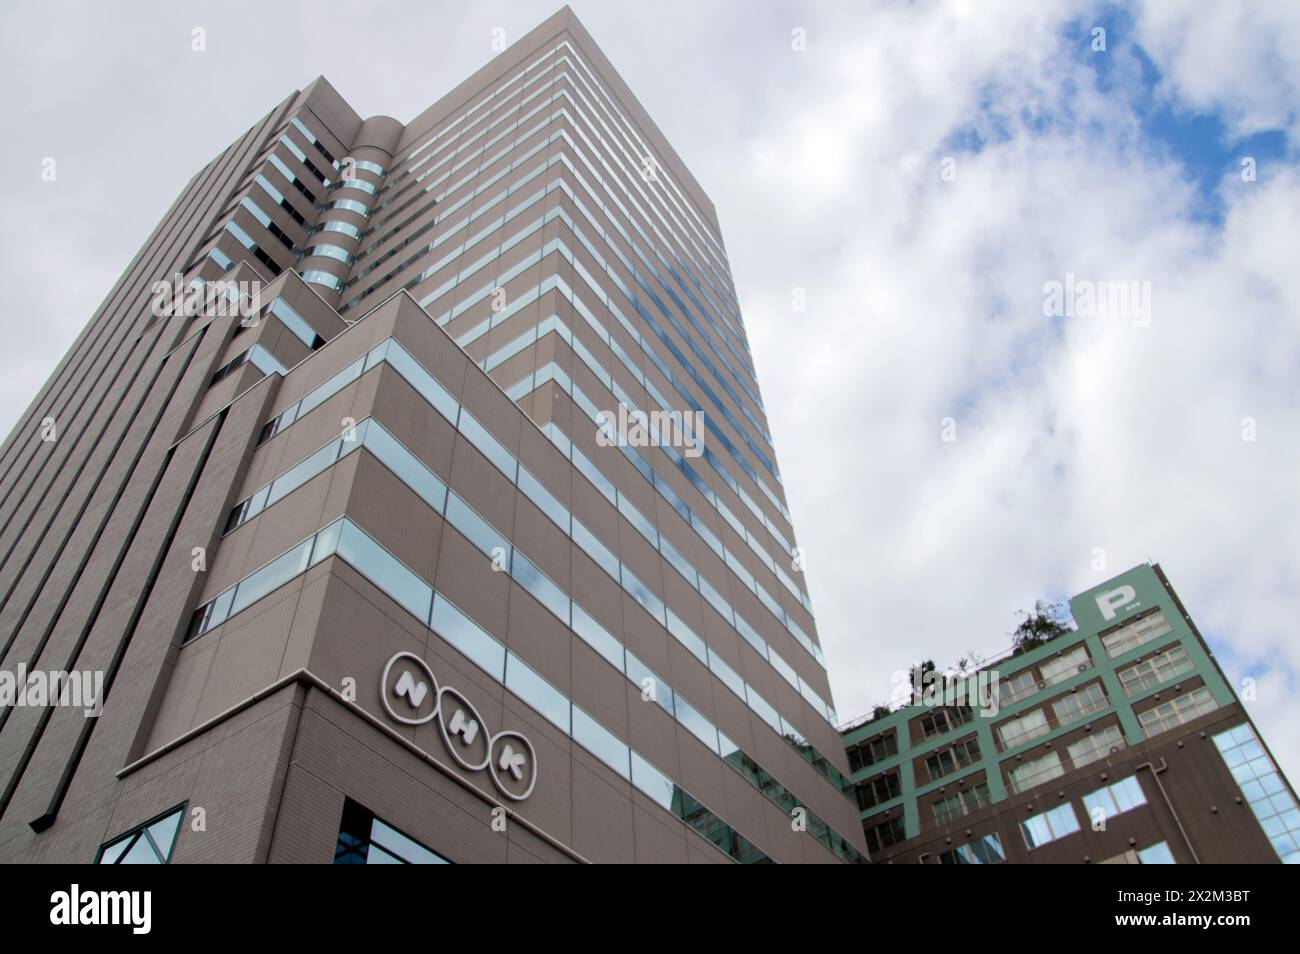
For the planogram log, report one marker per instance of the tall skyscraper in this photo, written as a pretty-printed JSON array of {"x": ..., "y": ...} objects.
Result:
[
  {"x": 411, "y": 498},
  {"x": 1118, "y": 741}
]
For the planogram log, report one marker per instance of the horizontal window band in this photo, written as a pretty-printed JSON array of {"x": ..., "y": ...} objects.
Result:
[
  {"x": 408, "y": 468},
  {"x": 346, "y": 540}
]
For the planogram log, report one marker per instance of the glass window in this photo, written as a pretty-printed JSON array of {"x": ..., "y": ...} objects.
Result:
[
  {"x": 1040, "y": 770},
  {"x": 729, "y": 676},
  {"x": 384, "y": 570},
  {"x": 592, "y": 546},
  {"x": 349, "y": 205},
  {"x": 317, "y": 277},
  {"x": 361, "y": 184},
  {"x": 593, "y": 473},
  {"x": 294, "y": 322},
  {"x": 541, "y": 586},
  {"x": 876, "y": 791},
  {"x": 1029, "y": 726},
  {"x": 715, "y": 600},
  {"x": 1135, "y": 633},
  {"x": 492, "y": 449},
  {"x": 524, "y": 682},
  {"x": 642, "y": 594},
  {"x": 1111, "y": 800},
  {"x": 939, "y": 764},
  {"x": 1157, "y": 854},
  {"x": 654, "y": 783},
  {"x": 544, "y": 499},
  {"x": 597, "y": 637},
  {"x": 331, "y": 387},
  {"x": 424, "y": 382},
  {"x": 884, "y": 834},
  {"x": 1159, "y": 669},
  {"x": 766, "y": 711},
  {"x": 1175, "y": 712},
  {"x": 303, "y": 471},
  {"x": 347, "y": 228},
  {"x": 1066, "y": 665},
  {"x": 751, "y": 636},
  {"x": 1096, "y": 746},
  {"x": 367, "y": 840},
  {"x": 783, "y": 668},
  {"x": 697, "y": 725},
  {"x": 1076, "y": 705},
  {"x": 677, "y": 561},
  {"x": 686, "y": 636},
  {"x": 646, "y": 680},
  {"x": 602, "y": 743},
  {"x": 151, "y": 843},
  {"x": 942, "y": 720},
  {"x": 221, "y": 608},
  {"x": 638, "y": 521},
  {"x": 947, "y": 761},
  {"x": 478, "y": 531},
  {"x": 1263, "y": 788},
  {"x": 871, "y": 751},
  {"x": 981, "y": 851},
  {"x": 1050, "y": 826},
  {"x": 406, "y": 466},
  {"x": 264, "y": 361},
  {"x": 962, "y": 803},
  {"x": 468, "y": 637},
  {"x": 270, "y": 577},
  {"x": 1014, "y": 688}
]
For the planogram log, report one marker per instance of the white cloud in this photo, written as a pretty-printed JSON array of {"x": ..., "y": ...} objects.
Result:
[
  {"x": 1238, "y": 60},
  {"x": 925, "y": 301}
]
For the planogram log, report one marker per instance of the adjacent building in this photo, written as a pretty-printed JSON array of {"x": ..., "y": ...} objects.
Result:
[
  {"x": 1119, "y": 741},
  {"x": 411, "y": 498}
]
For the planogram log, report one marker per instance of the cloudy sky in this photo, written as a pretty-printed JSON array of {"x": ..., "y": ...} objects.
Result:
[{"x": 1074, "y": 435}]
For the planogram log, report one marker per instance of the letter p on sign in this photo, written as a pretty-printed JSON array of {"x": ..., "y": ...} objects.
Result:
[{"x": 1112, "y": 600}]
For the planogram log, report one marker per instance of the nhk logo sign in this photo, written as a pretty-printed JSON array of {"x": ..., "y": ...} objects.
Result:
[{"x": 410, "y": 695}]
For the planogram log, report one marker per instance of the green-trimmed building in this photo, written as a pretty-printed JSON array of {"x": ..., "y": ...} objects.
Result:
[{"x": 1117, "y": 741}]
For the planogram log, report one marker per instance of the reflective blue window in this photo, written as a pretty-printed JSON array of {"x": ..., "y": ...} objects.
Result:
[
  {"x": 602, "y": 743},
  {"x": 544, "y": 499},
  {"x": 151, "y": 843},
  {"x": 279, "y": 571},
  {"x": 317, "y": 277},
  {"x": 467, "y": 636},
  {"x": 591, "y": 546},
  {"x": 697, "y": 725},
  {"x": 477, "y": 530},
  {"x": 423, "y": 381},
  {"x": 541, "y": 586},
  {"x": 367, "y": 840},
  {"x": 303, "y": 471},
  {"x": 492, "y": 449},
  {"x": 642, "y": 594},
  {"x": 654, "y": 783},
  {"x": 1050, "y": 825},
  {"x": 537, "y": 692},
  {"x": 409, "y": 469},
  {"x": 385, "y": 570},
  {"x": 729, "y": 676},
  {"x": 1157, "y": 854},
  {"x": 597, "y": 637},
  {"x": 653, "y": 689},
  {"x": 687, "y": 637}
]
